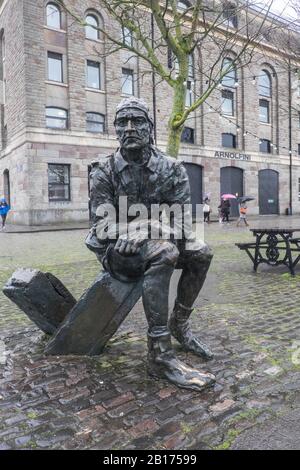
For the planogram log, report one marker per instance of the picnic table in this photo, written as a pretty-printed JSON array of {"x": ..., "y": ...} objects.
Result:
[{"x": 273, "y": 246}]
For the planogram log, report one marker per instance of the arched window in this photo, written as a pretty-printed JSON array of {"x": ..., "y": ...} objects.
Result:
[
  {"x": 56, "y": 118},
  {"x": 53, "y": 16},
  {"x": 229, "y": 79},
  {"x": 91, "y": 32},
  {"x": 265, "y": 84}
]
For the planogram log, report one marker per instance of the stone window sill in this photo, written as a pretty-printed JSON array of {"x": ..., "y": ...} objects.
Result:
[
  {"x": 99, "y": 41},
  {"x": 55, "y": 29},
  {"x": 95, "y": 90},
  {"x": 50, "y": 82}
]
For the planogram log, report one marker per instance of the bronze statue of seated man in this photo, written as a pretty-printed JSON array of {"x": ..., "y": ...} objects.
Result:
[{"x": 147, "y": 177}]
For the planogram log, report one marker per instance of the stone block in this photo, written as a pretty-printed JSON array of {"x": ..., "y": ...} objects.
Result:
[
  {"x": 96, "y": 317},
  {"x": 43, "y": 298}
]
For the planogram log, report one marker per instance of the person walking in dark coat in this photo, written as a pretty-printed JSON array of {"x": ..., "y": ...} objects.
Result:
[{"x": 224, "y": 208}]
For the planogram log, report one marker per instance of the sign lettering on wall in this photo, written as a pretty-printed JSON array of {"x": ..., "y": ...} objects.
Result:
[{"x": 232, "y": 155}]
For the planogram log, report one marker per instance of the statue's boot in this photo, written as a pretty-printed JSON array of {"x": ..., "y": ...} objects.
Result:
[
  {"x": 179, "y": 326},
  {"x": 162, "y": 363}
]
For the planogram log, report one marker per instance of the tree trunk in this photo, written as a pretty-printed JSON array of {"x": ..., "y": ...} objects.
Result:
[{"x": 174, "y": 131}]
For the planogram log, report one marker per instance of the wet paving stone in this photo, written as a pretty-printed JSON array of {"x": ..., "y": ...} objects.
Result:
[{"x": 251, "y": 322}]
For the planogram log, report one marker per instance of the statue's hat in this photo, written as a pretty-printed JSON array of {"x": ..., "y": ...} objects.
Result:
[{"x": 136, "y": 103}]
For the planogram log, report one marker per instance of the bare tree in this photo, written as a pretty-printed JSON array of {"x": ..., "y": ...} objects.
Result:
[{"x": 181, "y": 30}]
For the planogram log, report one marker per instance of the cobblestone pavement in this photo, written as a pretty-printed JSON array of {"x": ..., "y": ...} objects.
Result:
[{"x": 250, "y": 320}]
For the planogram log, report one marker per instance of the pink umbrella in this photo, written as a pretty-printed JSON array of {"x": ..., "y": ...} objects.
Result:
[{"x": 228, "y": 196}]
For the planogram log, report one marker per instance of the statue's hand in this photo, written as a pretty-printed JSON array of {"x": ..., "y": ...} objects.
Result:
[{"x": 126, "y": 246}]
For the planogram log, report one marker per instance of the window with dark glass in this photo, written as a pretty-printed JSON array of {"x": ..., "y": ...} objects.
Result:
[
  {"x": 53, "y": 16},
  {"x": 95, "y": 122},
  {"x": 55, "y": 67},
  {"x": 229, "y": 79},
  {"x": 298, "y": 149},
  {"x": 228, "y": 140},
  {"x": 230, "y": 15},
  {"x": 59, "y": 182},
  {"x": 264, "y": 84},
  {"x": 91, "y": 31},
  {"x": 227, "y": 103},
  {"x": 127, "y": 82},
  {"x": 183, "y": 5},
  {"x": 93, "y": 77},
  {"x": 170, "y": 58},
  {"x": 188, "y": 135},
  {"x": 264, "y": 112},
  {"x": 265, "y": 146},
  {"x": 56, "y": 118},
  {"x": 127, "y": 37}
]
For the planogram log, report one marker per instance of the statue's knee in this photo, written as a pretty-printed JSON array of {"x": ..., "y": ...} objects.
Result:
[
  {"x": 203, "y": 256},
  {"x": 168, "y": 253}
]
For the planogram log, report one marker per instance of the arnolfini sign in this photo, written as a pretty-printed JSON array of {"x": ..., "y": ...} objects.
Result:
[{"x": 232, "y": 155}]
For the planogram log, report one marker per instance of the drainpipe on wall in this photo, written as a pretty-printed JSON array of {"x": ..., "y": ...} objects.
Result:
[
  {"x": 153, "y": 84},
  {"x": 290, "y": 141}
]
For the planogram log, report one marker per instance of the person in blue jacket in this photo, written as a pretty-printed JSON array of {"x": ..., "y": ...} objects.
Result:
[{"x": 4, "y": 209}]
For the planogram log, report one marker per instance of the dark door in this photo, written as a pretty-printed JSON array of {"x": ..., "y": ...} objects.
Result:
[
  {"x": 268, "y": 192},
  {"x": 195, "y": 177},
  {"x": 6, "y": 186},
  {"x": 232, "y": 182}
]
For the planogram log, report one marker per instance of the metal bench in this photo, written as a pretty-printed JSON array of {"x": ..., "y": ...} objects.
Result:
[{"x": 273, "y": 246}]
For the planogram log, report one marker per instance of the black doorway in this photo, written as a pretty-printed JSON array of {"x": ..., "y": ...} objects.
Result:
[
  {"x": 232, "y": 182},
  {"x": 195, "y": 177},
  {"x": 6, "y": 186},
  {"x": 268, "y": 189}
]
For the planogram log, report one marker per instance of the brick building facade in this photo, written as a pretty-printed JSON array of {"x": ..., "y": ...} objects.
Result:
[{"x": 57, "y": 112}]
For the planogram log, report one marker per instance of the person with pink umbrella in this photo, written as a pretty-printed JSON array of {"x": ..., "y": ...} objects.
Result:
[{"x": 225, "y": 206}]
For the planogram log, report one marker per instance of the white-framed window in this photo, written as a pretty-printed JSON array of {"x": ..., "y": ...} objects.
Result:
[
  {"x": 227, "y": 104},
  {"x": 229, "y": 80},
  {"x": 91, "y": 31},
  {"x": 190, "y": 82},
  {"x": 230, "y": 15},
  {"x": 95, "y": 122},
  {"x": 298, "y": 189},
  {"x": 55, "y": 67},
  {"x": 93, "y": 74},
  {"x": 264, "y": 111},
  {"x": 3, "y": 71},
  {"x": 53, "y": 16},
  {"x": 127, "y": 37},
  {"x": 56, "y": 118},
  {"x": 127, "y": 82}
]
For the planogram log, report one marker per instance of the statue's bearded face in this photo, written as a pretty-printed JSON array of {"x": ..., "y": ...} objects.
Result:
[{"x": 133, "y": 129}]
